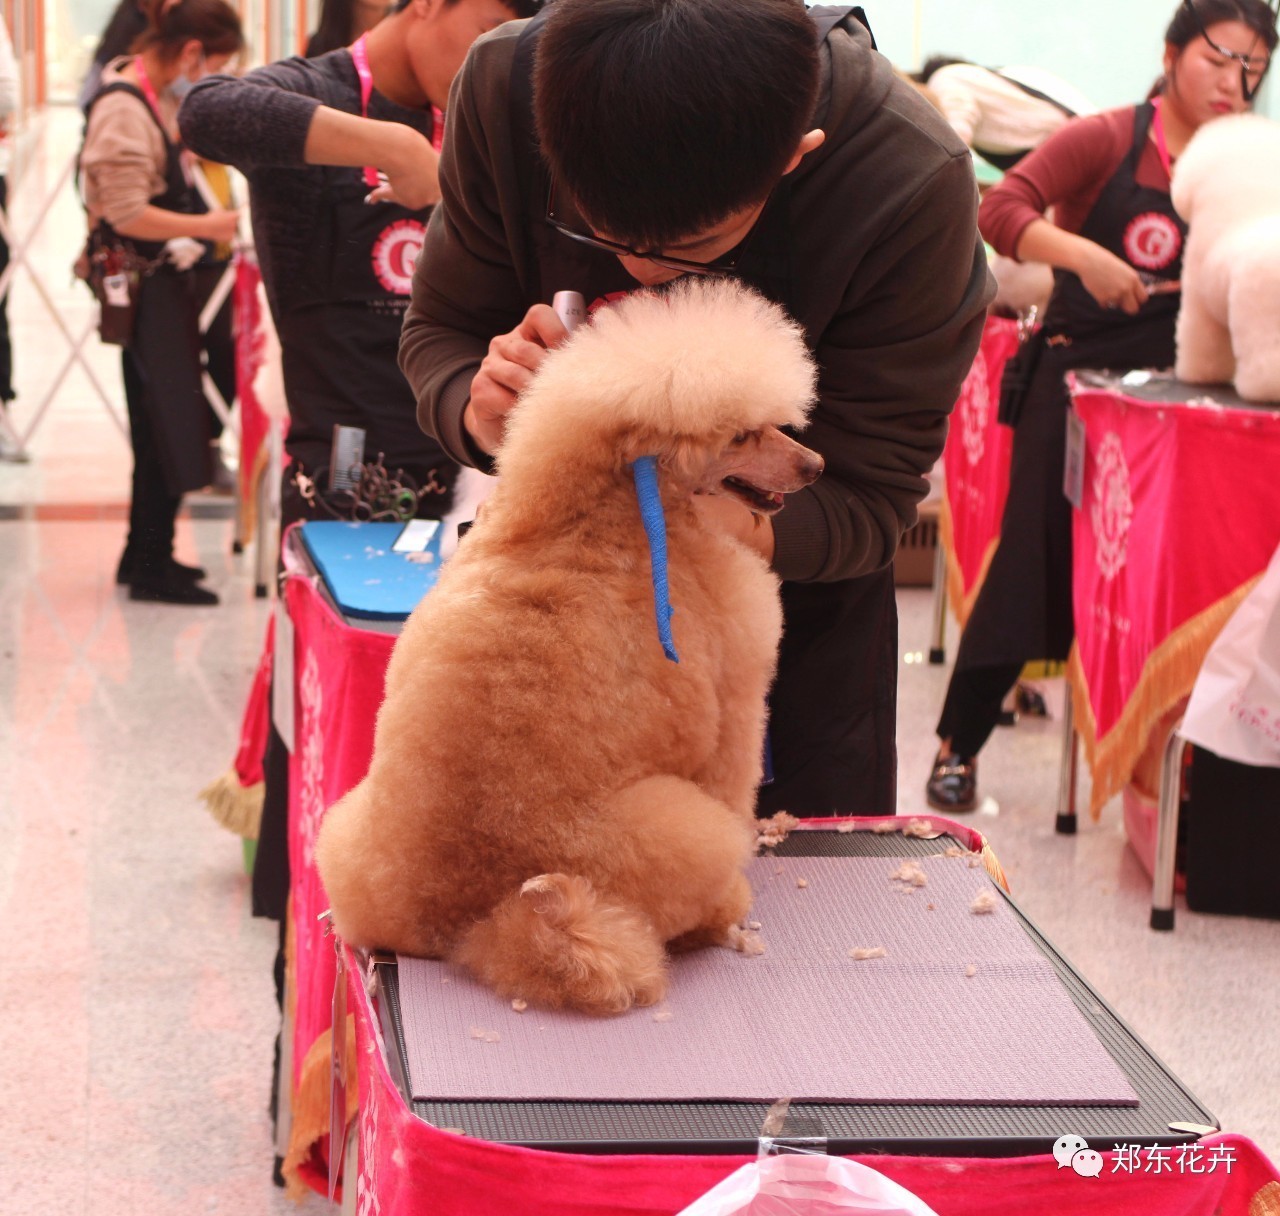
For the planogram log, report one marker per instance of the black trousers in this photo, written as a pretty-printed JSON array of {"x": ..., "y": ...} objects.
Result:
[
  {"x": 972, "y": 708},
  {"x": 833, "y": 707},
  {"x": 152, "y": 509}
]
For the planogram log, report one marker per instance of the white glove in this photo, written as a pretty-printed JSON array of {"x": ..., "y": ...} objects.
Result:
[{"x": 183, "y": 251}]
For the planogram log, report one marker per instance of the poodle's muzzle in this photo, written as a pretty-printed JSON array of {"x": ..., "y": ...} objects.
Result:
[{"x": 760, "y": 467}]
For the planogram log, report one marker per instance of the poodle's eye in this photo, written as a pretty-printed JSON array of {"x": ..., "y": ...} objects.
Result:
[{"x": 741, "y": 437}]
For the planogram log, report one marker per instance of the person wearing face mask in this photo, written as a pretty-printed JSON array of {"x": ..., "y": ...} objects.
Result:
[
  {"x": 140, "y": 196},
  {"x": 1116, "y": 247}
]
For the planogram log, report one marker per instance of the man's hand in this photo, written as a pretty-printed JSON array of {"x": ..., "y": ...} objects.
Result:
[
  {"x": 506, "y": 371},
  {"x": 732, "y": 518},
  {"x": 409, "y": 168},
  {"x": 402, "y": 155}
]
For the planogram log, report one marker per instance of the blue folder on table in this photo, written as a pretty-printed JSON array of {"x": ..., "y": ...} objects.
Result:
[{"x": 363, "y": 571}]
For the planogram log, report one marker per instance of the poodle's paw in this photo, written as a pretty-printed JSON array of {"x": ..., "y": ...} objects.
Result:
[{"x": 744, "y": 940}]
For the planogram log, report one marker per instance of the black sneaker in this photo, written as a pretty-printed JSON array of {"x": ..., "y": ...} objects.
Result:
[
  {"x": 953, "y": 783},
  {"x": 171, "y": 588},
  {"x": 126, "y": 571}
]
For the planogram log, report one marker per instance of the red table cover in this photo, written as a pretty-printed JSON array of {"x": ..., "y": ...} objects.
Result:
[
  {"x": 1180, "y": 515},
  {"x": 339, "y": 672},
  {"x": 255, "y": 423},
  {"x": 976, "y": 460}
]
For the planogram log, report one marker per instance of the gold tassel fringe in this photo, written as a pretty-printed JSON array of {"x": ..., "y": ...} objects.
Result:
[
  {"x": 238, "y": 808},
  {"x": 1167, "y": 677},
  {"x": 311, "y": 1102}
]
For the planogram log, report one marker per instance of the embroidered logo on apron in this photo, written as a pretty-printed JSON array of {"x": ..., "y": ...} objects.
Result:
[
  {"x": 395, "y": 253},
  {"x": 1152, "y": 241},
  {"x": 975, "y": 410},
  {"x": 1112, "y": 509}
]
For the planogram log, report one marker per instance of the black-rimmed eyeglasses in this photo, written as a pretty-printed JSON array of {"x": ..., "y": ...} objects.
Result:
[
  {"x": 1252, "y": 67},
  {"x": 717, "y": 266}
]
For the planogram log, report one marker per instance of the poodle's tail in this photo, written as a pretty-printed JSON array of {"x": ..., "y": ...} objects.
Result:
[{"x": 559, "y": 944}]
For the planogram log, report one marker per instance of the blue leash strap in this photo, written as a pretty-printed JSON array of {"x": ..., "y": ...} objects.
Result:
[{"x": 645, "y": 470}]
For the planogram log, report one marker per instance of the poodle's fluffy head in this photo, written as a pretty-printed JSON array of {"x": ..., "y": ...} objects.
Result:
[
  {"x": 679, "y": 374},
  {"x": 1230, "y": 170}
]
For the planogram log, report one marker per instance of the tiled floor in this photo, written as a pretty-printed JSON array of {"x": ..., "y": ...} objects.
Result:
[{"x": 135, "y": 992}]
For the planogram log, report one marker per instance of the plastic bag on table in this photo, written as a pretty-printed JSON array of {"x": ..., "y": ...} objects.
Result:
[
  {"x": 807, "y": 1184},
  {"x": 1234, "y": 710}
]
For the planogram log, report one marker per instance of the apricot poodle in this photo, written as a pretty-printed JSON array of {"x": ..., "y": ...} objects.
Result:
[{"x": 552, "y": 801}]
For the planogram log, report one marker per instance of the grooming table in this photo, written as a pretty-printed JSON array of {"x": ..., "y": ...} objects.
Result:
[
  {"x": 1179, "y": 516},
  {"x": 926, "y": 1125}
]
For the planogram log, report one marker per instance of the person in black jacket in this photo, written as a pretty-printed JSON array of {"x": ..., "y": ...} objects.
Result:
[{"x": 757, "y": 140}]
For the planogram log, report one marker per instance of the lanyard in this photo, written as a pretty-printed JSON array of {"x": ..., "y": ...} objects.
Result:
[
  {"x": 360, "y": 57},
  {"x": 1157, "y": 127},
  {"x": 148, "y": 90}
]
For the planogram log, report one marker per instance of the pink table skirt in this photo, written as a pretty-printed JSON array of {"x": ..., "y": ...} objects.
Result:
[
  {"x": 976, "y": 460},
  {"x": 1180, "y": 515}
]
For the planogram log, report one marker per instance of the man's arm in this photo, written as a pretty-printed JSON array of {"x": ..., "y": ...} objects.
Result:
[
  {"x": 273, "y": 118},
  {"x": 891, "y": 365},
  {"x": 466, "y": 288}
]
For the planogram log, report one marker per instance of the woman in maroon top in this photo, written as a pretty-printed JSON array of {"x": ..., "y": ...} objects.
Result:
[{"x": 1116, "y": 247}]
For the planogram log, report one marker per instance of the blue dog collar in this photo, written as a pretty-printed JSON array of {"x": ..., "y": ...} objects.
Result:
[{"x": 645, "y": 470}]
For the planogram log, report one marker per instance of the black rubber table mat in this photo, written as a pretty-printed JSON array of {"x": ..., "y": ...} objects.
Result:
[{"x": 726, "y": 1127}]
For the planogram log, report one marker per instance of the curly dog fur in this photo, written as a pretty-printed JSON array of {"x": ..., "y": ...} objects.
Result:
[
  {"x": 1226, "y": 185},
  {"x": 551, "y": 801}
]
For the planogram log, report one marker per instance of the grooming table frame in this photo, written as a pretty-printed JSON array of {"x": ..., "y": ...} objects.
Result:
[{"x": 848, "y": 1128}]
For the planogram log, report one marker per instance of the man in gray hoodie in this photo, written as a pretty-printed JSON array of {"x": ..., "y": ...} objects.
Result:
[{"x": 609, "y": 144}]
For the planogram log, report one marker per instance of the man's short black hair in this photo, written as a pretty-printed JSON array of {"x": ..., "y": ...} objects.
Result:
[{"x": 660, "y": 118}]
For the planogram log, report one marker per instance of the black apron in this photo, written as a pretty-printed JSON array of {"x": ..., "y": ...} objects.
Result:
[
  {"x": 833, "y": 705},
  {"x": 340, "y": 338},
  {"x": 1023, "y": 611},
  {"x": 165, "y": 351}
]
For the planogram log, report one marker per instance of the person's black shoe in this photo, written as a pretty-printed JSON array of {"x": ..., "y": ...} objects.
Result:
[
  {"x": 170, "y": 588},
  {"x": 126, "y": 571},
  {"x": 1028, "y": 700},
  {"x": 953, "y": 783}
]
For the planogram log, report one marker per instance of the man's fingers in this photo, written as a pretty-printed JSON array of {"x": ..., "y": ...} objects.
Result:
[
  {"x": 541, "y": 325},
  {"x": 509, "y": 374},
  {"x": 519, "y": 351}
]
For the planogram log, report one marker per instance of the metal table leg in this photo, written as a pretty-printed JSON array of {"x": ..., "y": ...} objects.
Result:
[
  {"x": 1067, "y": 770},
  {"x": 1175, "y": 747},
  {"x": 938, "y": 651},
  {"x": 267, "y": 492}
]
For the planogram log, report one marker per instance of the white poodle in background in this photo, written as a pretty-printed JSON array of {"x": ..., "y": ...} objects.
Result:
[{"x": 1226, "y": 185}]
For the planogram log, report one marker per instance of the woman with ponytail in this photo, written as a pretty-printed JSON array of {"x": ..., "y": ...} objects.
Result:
[{"x": 141, "y": 198}]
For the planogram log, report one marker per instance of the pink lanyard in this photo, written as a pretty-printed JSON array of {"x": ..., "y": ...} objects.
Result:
[
  {"x": 1157, "y": 126},
  {"x": 360, "y": 57},
  {"x": 148, "y": 90}
]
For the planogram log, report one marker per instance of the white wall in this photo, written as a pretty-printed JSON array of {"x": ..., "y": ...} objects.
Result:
[{"x": 1110, "y": 49}]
